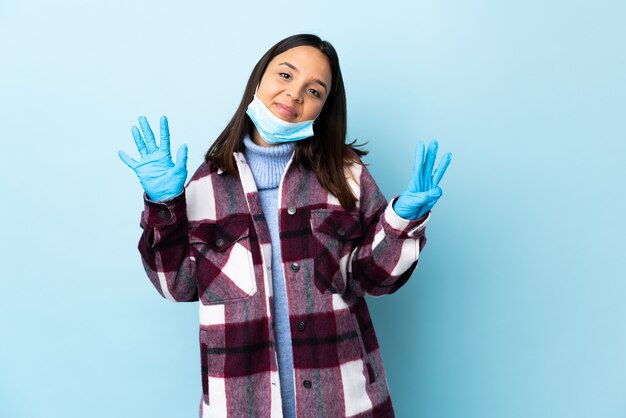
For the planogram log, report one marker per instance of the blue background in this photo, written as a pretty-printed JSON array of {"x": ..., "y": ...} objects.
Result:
[{"x": 517, "y": 307}]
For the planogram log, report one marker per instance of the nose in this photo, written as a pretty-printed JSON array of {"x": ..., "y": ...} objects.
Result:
[{"x": 295, "y": 94}]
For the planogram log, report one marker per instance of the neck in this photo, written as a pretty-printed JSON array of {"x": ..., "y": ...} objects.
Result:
[{"x": 256, "y": 137}]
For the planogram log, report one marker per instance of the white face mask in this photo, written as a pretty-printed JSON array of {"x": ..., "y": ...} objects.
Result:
[{"x": 273, "y": 129}]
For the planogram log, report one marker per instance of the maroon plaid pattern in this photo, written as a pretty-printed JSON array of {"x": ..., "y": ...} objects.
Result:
[{"x": 211, "y": 244}]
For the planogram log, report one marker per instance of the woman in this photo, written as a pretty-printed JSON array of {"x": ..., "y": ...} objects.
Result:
[{"x": 279, "y": 234}]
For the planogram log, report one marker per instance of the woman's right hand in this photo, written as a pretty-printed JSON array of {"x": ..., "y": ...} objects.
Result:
[{"x": 159, "y": 176}]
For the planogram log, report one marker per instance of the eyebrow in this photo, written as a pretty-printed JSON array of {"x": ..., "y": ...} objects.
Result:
[{"x": 293, "y": 67}]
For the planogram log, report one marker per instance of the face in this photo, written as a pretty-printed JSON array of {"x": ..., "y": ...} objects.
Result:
[{"x": 296, "y": 83}]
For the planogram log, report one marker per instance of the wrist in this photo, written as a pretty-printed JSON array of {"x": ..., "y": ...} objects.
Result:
[
  {"x": 401, "y": 209},
  {"x": 163, "y": 196}
]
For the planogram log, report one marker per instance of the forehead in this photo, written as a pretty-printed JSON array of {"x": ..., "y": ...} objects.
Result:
[{"x": 308, "y": 60}]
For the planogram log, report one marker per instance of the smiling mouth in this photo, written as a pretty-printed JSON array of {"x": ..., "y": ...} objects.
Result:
[{"x": 286, "y": 111}]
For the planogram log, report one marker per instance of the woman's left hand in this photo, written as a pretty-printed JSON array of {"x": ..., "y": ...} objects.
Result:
[{"x": 423, "y": 190}]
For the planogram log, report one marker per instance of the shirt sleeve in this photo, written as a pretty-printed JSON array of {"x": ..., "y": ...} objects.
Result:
[
  {"x": 165, "y": 252},
  {"x": 391, "y": 245}
]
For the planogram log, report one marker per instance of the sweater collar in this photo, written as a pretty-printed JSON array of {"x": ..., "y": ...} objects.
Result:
[{"x": 267, "y": 163}]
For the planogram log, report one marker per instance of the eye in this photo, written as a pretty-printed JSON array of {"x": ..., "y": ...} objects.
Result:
[
  {"x": 315, "y": 93},
  {"x": 284, "y": 75}
]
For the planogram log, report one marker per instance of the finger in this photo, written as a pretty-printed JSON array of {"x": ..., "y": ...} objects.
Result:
[
  {"x": 434, "y": 193},
  {"x": 441, "y": 168},
  {"x": 425, "y": 208},
  {"x": 416, "y": 180},
  {"x": 429, "y": 162},
  {"x": 419, "y": 201},
  {"x": 141, "y": 146},
  {"x": 428, "y": 206},
  {"x": 422, "y": 198},
  {"x": 165, "y": 134},
  {"x": 147, "y": 133},
  {"x": 181, "y": 157},
  {"x": 128, "y": 160}
]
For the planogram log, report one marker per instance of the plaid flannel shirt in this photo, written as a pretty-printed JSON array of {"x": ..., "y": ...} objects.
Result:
[{"x": 211, "y": 243}]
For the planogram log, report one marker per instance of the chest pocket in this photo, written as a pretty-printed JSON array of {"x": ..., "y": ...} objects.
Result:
[
  {"x": 335, "y": 235},
  {"x": 224, "y": 264}
]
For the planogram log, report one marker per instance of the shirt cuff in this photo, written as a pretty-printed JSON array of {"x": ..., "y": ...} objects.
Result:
[
  {"x": 404, "y": 228},
  {"x": 158, "y": 214}
]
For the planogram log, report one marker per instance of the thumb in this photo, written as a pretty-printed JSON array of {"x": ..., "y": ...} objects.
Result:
[
  {"x": 435, "y": 192},
  {"x": 423, "y": 198},
  {"x": 181, "y": 157},
  {"x": 434, "y": 195},
  {"x": 127, "y": 160},
  {"x": 417, "y": 199}
]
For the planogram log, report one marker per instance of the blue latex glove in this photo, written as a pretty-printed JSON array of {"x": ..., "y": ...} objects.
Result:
[
  {"x": 159, "y": 176},
  {"x": 423, "y": 190}
]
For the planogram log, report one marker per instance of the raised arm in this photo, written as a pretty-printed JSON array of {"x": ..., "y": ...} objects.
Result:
[
  {"x": 163, "y": 245},
  {"x": 394, "y": 233}
]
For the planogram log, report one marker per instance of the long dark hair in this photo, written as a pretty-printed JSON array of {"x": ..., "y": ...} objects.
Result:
[{"x": 326, "y": 152}]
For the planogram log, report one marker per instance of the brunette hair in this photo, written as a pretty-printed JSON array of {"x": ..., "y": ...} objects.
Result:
[{"x": 326, "y": 152}]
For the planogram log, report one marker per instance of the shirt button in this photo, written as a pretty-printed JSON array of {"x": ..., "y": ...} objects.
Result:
[
  {"x": 295, "y": 266},
  {"x": 162, "y": 214},
  {"x": 291, "y": 210},
  {"x": 341, "y": 232},
  {"x": 219, "y": 242},
  {"x": 301, "y": 325},
  {"x": 269, "y": 268},
  {"x": 307, "y": 384}
]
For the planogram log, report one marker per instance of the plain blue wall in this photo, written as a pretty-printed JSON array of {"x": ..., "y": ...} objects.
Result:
[{"x": 516, "y": 309}]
